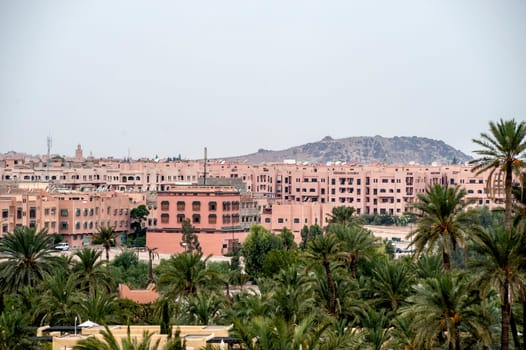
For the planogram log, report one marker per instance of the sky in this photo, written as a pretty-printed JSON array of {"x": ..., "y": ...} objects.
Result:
[{"x": 168, "y": 78}]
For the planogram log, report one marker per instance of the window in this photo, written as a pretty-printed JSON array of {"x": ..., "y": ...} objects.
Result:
[
  {"x": 212, "y": 206},
  {"x": 85, "y": 225},
  {"x": 63, "y": 212},
  {"x": 77, "y": 212},
  {"x": 5, "y": 213},
  {"x": 267, "y": 220},
  {"x": 296, "y": 220},
  {"x": 280, "y": 220},
  {"x": 77, "y": 225},
  {"x": 180, "y": 206},
  {"x": 180, "y": 218},
  {"x": 4, "y": 228},
  {"x": 226, "y": 219},
  {"x": 85, "y": 212},
  {"x": 32, "y": 213},
  {"x": 91, "y": 212},
  {"x": 165, "y": 218},
  {"x": 165, "y": 205},
  {"x": 63, "y": 225},
  {"x": 196, "y": 205},
  {"x": 235, "y": 205},
  {"x": 196, "y": 219},
  {"x": 226, "y": 206},
  {"x": 212, "y": 219}
]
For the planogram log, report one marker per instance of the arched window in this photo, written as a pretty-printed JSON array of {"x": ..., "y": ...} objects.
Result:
[
  {"x": 165, "y": 205},
  {"x": 165, "y": 218}
]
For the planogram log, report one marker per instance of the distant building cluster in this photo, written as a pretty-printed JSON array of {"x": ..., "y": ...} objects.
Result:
[{"x": 74, "y": 196}]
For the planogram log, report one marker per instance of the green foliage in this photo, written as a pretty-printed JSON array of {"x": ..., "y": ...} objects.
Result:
[
  {"x": 502, "y": 152},
  {"x": 27, "y": 258},
  {"x": 257, "y": 245},
  {"x": 189, "y": 239},
  {"x": 186, "y": 274},
  {"x": 14, "y": 333},
  {"x": 138, "y": 215},
  {"x": 287, "y": 239},
  {"x": 308, "y": 233},
  {"x": 126, "y": 268},
  {"x": 277, "y": 260},
  {"x": 165, "y": 319},
  {"x": 442, "y": 221},
  {"x": 140, "y": 241},
  {"x": 389, "y": 248}
]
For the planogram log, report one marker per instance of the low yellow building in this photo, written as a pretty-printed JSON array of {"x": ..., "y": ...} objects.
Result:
[{"x": 196, "y": 337}]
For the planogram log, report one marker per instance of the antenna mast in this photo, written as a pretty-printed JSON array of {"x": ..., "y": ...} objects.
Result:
[
  {"x": 49, "y": 143},
  {"x": 204, "y": 174}
]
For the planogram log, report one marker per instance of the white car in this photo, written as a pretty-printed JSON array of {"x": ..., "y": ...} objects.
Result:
[{"x": 64, "y": 246}]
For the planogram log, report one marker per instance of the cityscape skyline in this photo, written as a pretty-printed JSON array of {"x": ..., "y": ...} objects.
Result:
[{"x": 234, "y": 77}]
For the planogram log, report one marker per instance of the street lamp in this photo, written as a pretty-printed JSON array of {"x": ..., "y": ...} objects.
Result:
[{"x": 75, "y": 325}]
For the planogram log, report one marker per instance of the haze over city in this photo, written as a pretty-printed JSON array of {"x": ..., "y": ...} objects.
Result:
[{"x": 170, "y": 78}]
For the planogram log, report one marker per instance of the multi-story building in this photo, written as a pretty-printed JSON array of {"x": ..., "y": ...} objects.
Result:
[
  {"x": 73, "y": 215},
  {"x": 214, "y": 212},
  {"x": 275, "y": 195}
]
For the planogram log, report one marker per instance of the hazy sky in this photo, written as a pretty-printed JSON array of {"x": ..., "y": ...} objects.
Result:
[{"x": 171, "y": 77}]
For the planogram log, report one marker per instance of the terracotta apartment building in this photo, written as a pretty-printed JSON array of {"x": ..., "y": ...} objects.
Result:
[
  {"x": 276, "y": 195},
  {"x": 73, "y": 215}
]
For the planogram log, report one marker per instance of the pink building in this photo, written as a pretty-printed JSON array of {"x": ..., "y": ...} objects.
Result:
[
  {"x": 214, "y": 211},
  {"x": 276, "y": 195},
  {"x": 74, "y": 215}
]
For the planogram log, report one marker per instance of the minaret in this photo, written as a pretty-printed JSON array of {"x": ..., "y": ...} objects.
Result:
[{"x": 78, "y": 153}]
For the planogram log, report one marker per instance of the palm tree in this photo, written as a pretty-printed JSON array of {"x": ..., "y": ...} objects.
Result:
[
  {"x": 59, "y": 302},
  {"x": 273, "y": 332},
  {"x": 357, "y": 243},
  {"x": 26, "y": 258},
  {"x": 186, "y": 274},
  {"x": 88, "y": 271},
  {"x": 325, "y": 250},
  {"x": 498, "y": 260},
  {"x": 14, "y": 331},
  {"x": 106, "y": 236},
  {"x": 292, "y": 294},
  {"x": 110, "y": 342},
  {"x": 440, "y": 309},
  {"x": 203, "y": 309},
  {"x": 100, "y": 307},
  {"x": 391, "y": 282},
  {"x": 342, "y": 215},
  {"x": 376, "y": 325},
  {"x": 502, "y": 152},
  {"x": 442, "y": 219}
]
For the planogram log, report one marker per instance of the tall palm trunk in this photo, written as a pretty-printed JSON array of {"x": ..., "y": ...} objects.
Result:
[
  {"x": 514, "y": 332},
  {"x": 332, "y": 288},
  {"x": 508, "y": 184},
  {"x": 447, "y": 260},
  {"x": 523, "y": 294},
  {"x": 505, "y": 322},
  {"x": 107, "y": 260}
]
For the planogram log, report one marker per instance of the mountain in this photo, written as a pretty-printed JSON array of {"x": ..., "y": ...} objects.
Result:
[{"x": 363, "y": 150}]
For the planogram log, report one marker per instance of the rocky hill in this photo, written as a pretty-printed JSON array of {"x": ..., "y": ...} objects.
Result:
[{"x": 364, "y": 150}]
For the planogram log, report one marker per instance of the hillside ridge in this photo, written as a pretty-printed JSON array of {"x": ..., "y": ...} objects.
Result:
[{"x": 363, "y": 150}]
